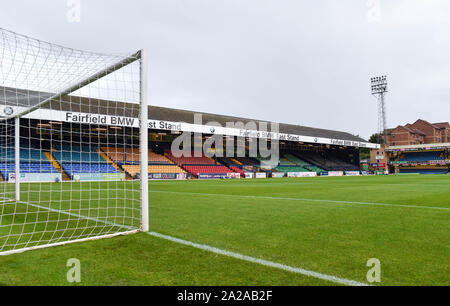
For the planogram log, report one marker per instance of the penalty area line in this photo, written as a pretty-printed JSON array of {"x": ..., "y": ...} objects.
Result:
[{"x": 259, "y": 261}]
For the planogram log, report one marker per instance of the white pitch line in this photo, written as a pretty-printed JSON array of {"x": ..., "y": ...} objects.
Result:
[
  {"x": 302, "y": 199},
  {"x": 259, "y": 261}
]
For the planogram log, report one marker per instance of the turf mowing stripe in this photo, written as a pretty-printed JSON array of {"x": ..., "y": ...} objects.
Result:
[
  {"x": 259, "y": 261},
  {"x": 208, "y": 248},
  {"x": 304, "y": 200}
]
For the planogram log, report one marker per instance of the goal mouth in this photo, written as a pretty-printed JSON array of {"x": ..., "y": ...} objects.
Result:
[{"x": 58, "y": 184}]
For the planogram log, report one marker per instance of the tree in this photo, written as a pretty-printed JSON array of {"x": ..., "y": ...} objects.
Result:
[{"x": 376, "y": 138}]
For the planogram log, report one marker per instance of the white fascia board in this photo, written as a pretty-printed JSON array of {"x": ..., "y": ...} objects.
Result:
[{"x": 107, "y": 120}]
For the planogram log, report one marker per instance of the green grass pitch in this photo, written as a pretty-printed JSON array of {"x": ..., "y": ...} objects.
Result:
[{"x": 327, "y": 225}]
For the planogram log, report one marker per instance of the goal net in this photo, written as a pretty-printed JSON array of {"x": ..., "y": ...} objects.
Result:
[{"x": 69, "y": 120}]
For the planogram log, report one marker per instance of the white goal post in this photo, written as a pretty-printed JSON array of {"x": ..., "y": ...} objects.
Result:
[{"x": 63, "y": 181}]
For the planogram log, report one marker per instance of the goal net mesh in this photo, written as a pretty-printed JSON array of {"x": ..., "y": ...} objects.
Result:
[{"x": 69, "y": 121}]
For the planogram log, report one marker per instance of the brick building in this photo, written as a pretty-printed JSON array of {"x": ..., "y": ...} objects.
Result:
[
  {"x": 420, "y": 132},
  {"x": 445, "y": 130}
]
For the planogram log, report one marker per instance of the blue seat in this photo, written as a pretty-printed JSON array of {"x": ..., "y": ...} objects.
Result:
[
  {"x": 422, "y": 156},
  {"x": 7, "y": 168},
  {"x": 78, "y": 154},
  {"x": 77, "y": 168}
]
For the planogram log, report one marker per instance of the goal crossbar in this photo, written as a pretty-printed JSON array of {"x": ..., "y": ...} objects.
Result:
[{"x": 126, "y": 61}]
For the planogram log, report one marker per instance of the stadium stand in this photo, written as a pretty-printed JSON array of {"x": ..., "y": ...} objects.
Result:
[
  {"x": 130, "y": 155},
  {"x": 77, "y": 159},
  {"x": 238, "y": 170},
  {"x": 289, "y": 169},
  {"x": 6, "y": 169},
  {"x": 424, "y": 171},
  {"x": 422, "y": 157},
  {"x": 77, "y": 154},
  {"x": 301, "y": 165},
  {"x": 228, "y": 161},
  {"x": 233, "y": 164},
  {"x": 267, "y": 162},
  {"x": 310, "y": 156},
  {"x": 32, "y": 161},
  {"x": 166, "y": 169},
  {"x": 27, "y": 154},
  {"x": 337, "y": 164},
  {"x": 76, "y": 168},
  {"x": 196, "y": 170},
  {"x": 329, "y": 163},
  {"x": 247, "y": 161},
  {"x": 314, "y": 169},
  {"x": 132, "y": 170},
  {"x": 297, "y": 161},
  {"x": 199, "y": 165},
  {"x": 284, "y": 161},
  {"x": 115, "y": 154},
  {"x": 157, "y": 159},
  {"x": 418, "y": 159},
  {"x": 128, "y": 159},
  {"x": 203, "y": 160}
]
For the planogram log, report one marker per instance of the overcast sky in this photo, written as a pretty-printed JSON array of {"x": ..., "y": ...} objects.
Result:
[{"x": 290, "y": 61}]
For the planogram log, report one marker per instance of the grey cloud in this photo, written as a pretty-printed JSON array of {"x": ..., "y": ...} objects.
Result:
[{"x": 295, "y": 62}]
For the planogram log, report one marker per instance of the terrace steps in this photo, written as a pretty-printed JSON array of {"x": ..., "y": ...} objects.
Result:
[
  {"x": 168, "y": 159},
  {"x": 167, "y": 156},
  {"x": 237, "y": 162},
  {"x": 57, "y": 166},
  {"x": 110, "y": 161}
]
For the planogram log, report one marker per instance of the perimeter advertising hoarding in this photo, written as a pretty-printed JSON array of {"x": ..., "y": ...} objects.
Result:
[
  {"x": 113, "y": 176},
  {"x": 336, "y": 173},
  {"x": 261, "y": 175},
  {"x": 87, "y": 177},
  {"x": 249, "y": 175},
  {"x": 277, "y": 175},
  {"x": 302, "y": 174},
  {"x": 40, "y": 177},
  {"x": 162, "y": 176},
  {"x": 181, "y": 176},
  {"x": 212, "y": 176},
  {"x": 352, "y": 173},
  {"x": 234, "y": 175},
  {"x": 93, "y": 177}
]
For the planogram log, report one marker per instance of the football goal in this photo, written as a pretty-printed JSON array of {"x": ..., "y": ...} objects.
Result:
[{"x": 69, "y": 120}]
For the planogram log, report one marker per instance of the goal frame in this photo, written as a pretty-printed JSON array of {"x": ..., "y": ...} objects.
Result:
[{"x": 141, "y": 56}]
